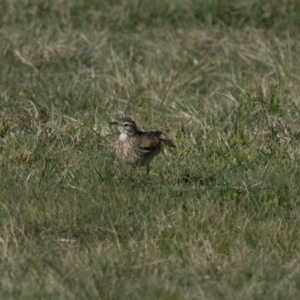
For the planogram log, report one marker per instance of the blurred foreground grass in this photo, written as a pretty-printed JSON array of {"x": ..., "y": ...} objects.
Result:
[{"x": 218, "y": 218}]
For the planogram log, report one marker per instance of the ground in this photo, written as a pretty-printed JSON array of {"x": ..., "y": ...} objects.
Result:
[{"x": 218, "y": 217}]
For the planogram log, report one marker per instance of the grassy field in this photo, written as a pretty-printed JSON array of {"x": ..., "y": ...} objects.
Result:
[{"x": 218, "y": 217}]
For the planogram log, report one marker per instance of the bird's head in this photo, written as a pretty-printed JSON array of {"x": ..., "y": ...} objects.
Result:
[{"x": 125, "y": 126}]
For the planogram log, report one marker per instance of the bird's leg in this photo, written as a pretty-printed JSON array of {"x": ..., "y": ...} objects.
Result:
[{"x": 148, "y": 169}]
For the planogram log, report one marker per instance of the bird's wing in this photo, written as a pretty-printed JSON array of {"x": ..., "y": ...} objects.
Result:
[
  {"x": 148, "y": 142},
  {"x": 155, "y": 133}
]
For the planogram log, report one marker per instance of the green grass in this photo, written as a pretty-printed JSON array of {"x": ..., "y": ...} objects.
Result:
[{"x": 217, "y": 218}]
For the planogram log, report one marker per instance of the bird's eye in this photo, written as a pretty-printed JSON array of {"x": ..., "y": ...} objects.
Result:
[{"x": 126, "y": 124}]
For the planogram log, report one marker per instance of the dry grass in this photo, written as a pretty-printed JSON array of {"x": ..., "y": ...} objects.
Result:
[{"x": 216, "y": 219}]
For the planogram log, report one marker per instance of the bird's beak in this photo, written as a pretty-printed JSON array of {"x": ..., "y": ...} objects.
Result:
[{"x": 113, "y": 123}]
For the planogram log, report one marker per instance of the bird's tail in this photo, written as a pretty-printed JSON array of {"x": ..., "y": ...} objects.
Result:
[{"x": 167, "y": 142}]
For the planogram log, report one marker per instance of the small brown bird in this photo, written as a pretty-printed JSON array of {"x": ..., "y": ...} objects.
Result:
[{"x": 136, "y": 147}]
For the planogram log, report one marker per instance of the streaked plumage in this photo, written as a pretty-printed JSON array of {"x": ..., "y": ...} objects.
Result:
[{"x": 136, "y": 147}]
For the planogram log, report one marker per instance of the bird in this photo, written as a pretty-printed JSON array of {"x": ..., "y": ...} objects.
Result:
[{"x": 135, "y": 147}]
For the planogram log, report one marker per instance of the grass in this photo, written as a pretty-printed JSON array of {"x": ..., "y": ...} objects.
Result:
[{"x": 217, "y": 218}]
